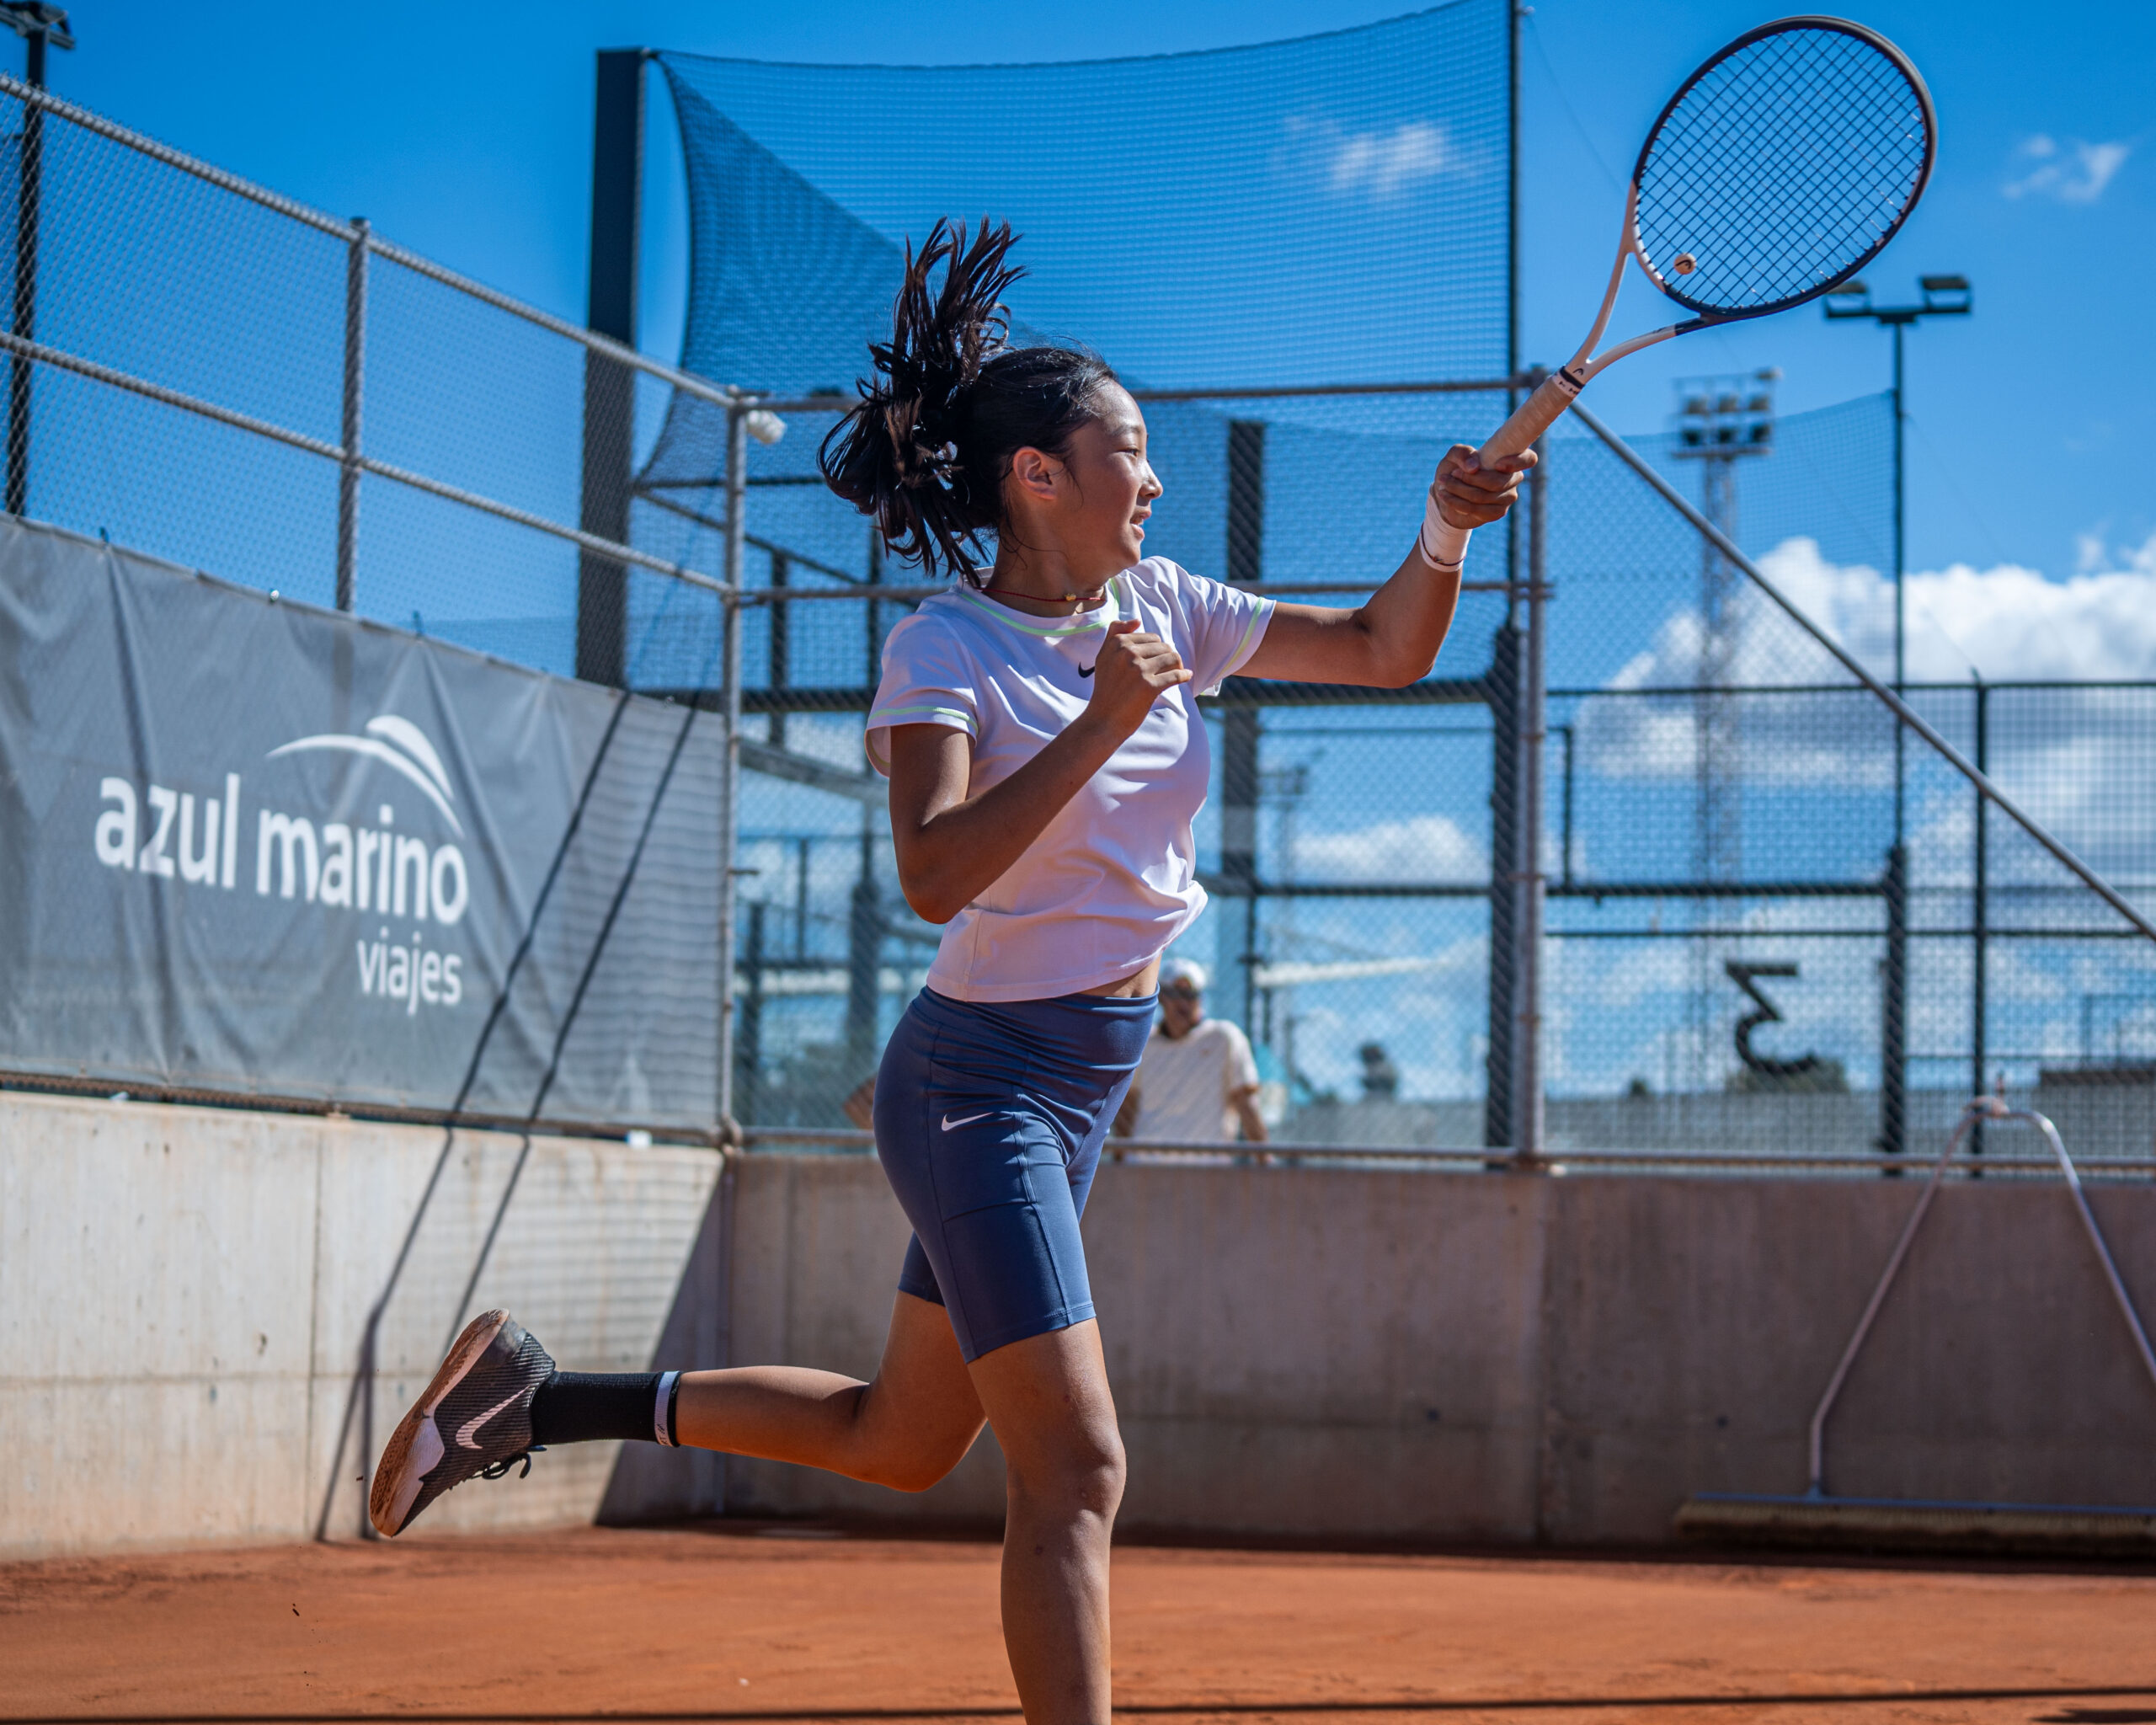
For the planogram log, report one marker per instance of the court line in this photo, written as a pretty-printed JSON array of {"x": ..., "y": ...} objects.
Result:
[{"x": 1464, "y": 1704}]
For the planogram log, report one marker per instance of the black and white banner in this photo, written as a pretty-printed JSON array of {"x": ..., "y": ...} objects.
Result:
[{"x": 249, "y": 845}]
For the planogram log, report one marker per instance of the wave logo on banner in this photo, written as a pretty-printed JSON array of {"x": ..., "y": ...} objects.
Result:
[
  {"x": 336, "y": 865},
  {"x": 418, "y": 762}
]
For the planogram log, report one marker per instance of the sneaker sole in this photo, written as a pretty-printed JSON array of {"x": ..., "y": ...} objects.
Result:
[{"x": 389, "y": 1497}]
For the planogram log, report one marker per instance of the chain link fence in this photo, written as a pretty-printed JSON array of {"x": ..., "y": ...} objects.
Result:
[{"x": 1777, "y": 924}]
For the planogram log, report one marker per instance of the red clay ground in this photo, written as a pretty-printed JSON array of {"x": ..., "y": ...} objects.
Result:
[{"x": 694, "y": 1624}]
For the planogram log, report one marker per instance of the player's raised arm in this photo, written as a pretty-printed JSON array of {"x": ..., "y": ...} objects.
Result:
[{"x": 1392, "y": 638}]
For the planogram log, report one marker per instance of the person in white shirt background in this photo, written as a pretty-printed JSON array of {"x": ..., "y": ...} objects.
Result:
[{"x": 1197, "y": 1081}]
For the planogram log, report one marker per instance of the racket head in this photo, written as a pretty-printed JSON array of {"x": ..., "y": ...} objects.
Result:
[{"x": 1782, "y": 168}]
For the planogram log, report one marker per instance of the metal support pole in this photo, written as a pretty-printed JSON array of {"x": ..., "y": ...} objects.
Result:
[
  {"x": 1901, "y": 612},
  {"x": 1979, "y": 920},
  {"x": 1565, "y": 838},
  {"x": 864, "y": 961},
  {"x": 748, "y": 1049},
  {"x": 1238, "y": 782},
  {"x": 782, "y": 615},
  {"x": 1515, "y": 14},
  {"x": 1894, "y": 1010},
  {"x": 1533, "y": 734},
  {"x": 1239, "y": 731},
  {"x": 1501, "y": 688},
  {"x": 873, "y": 673},
  {"x": 356, "y": 362},
  {"x": 729, "y": 770},
  {"x": 602, "y": 598},
  {"x": 29, "y": 168}
]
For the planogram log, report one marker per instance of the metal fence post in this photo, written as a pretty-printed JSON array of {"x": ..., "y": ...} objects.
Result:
[
  {"x": 1533, "y": 734},
  {"x": 1234, "y": 987},
  {"x": 356, "y": 362},
  {"x": 1500, "y": 689},
  {"x": 29, "y": 170},
  {"x": 1980, "y": 921},
  {"x": 602, "y": 600},
  {"x": 1894, "y": 1008},
  {"x": 729, "y": 772}
]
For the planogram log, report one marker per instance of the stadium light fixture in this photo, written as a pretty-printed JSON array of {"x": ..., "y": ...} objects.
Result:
[
  {"x": 1852, "y": 299},
  {"x": 38, "y": 24},
  {"x": 1944, "y": 294}
]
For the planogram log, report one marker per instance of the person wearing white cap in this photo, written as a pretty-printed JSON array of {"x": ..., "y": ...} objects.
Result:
[{"x": 1197, "y": 1081}]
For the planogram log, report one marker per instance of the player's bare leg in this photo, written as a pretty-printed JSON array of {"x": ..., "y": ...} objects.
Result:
[
  {"x": 906, "y": 1428},
  {"x": 1048, "y": 1398}
]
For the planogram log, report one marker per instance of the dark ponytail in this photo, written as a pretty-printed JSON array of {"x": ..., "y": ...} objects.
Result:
[{"x": 925, "y": 453}]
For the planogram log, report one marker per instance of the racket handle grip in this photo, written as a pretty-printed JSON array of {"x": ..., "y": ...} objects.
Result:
[
  {"x": 1447, "y": 546},
  {"x": 1535, "y": 416}
]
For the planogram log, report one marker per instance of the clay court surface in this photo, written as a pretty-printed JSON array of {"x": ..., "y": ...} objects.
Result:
[{"x": 692, "y": 1624}]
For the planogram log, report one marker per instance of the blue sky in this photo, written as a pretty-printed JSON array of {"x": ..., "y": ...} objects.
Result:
[{"x": 464, "y": 131}]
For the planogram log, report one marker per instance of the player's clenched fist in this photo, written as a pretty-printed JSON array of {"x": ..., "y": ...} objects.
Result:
[
  {"x": 1133, "y": 668},
  {"x": 1471, "y": 495}
]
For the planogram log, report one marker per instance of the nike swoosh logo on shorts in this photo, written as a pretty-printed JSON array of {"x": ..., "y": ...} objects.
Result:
[
  {"x": 952, "y": 1125},
  {"x": 465, "y": 1431},
  {"x": 1088, "y": 670}
]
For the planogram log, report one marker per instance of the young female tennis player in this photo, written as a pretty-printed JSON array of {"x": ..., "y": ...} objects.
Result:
[{"x": 1046, "y": 759}]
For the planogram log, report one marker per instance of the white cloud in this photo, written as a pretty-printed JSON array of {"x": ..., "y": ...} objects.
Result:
[
  {"x": 1423, "y": 847},
  {"x": 2070, "y": 171},
  {"x": 1379, "y": 165},
  {"x": 2073, "y": 759},
  {"x": 2007, "y": 620}
]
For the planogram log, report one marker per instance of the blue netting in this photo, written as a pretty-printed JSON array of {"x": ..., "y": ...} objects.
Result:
[
  {"x": 1327, "y": 210},
  {"x": 1324, "y": 210}
]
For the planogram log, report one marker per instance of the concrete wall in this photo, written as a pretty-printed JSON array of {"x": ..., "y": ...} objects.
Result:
[
  {"x": 183, "y": 1294},
  {"x": 1484, "y": 1357},
  {"x": 1321, "y": 1353}
]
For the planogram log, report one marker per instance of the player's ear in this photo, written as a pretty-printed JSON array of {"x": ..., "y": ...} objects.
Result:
[{"x": 1034, "y": 472}]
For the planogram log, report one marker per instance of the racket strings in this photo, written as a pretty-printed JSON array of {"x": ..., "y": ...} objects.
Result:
[
  {"x": 1781, "y": 167},
  {"x": 1805, "y": 160}
]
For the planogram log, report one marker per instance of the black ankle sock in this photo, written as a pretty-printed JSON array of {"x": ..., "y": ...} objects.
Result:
[{"x": 581, "y": 1406}]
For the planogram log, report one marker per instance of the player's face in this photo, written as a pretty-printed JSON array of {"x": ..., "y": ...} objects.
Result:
[{"x": 1102, "y": 525}]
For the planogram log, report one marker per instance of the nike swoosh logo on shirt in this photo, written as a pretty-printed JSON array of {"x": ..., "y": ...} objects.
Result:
[
  {"x": 952, "y": 1125},
  {"x": 464, "y": 1432},
  {"x": 1088, "y": 670}
]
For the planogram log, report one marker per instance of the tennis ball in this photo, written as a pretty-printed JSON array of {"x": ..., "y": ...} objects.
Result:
[{"x": 1685, "y": 264}]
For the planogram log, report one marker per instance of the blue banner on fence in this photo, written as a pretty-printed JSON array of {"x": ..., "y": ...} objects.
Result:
[{"x": 250, "y": 846}]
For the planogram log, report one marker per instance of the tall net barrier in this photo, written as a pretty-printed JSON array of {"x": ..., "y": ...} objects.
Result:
[{"x": 1325, "y": 215}]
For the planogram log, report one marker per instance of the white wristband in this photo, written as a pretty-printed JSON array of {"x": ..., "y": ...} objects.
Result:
[{"x": 1443, "y": 546}]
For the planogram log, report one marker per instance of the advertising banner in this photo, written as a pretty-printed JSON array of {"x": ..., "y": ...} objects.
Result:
[{"x": 250, "y": 845}]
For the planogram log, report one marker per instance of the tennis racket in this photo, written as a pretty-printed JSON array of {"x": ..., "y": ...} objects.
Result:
[{"x": 1782, "y": 168}]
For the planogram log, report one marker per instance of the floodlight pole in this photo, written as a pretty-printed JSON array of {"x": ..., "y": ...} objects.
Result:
[
  {"x": 1944, "y": 295},
  {"x": 37, "y": 25},
  {"x": 1532, "y": 885}
]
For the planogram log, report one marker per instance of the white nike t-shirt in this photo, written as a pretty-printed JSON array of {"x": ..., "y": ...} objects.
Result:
[{"x": 1113, "y": 877}]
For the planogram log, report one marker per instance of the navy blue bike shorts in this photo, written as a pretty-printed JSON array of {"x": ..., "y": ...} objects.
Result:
[{"x": 990, "y": 1117}]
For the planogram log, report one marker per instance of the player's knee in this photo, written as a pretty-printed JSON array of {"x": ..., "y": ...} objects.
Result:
[{"x": 1081, "y": 1475}]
